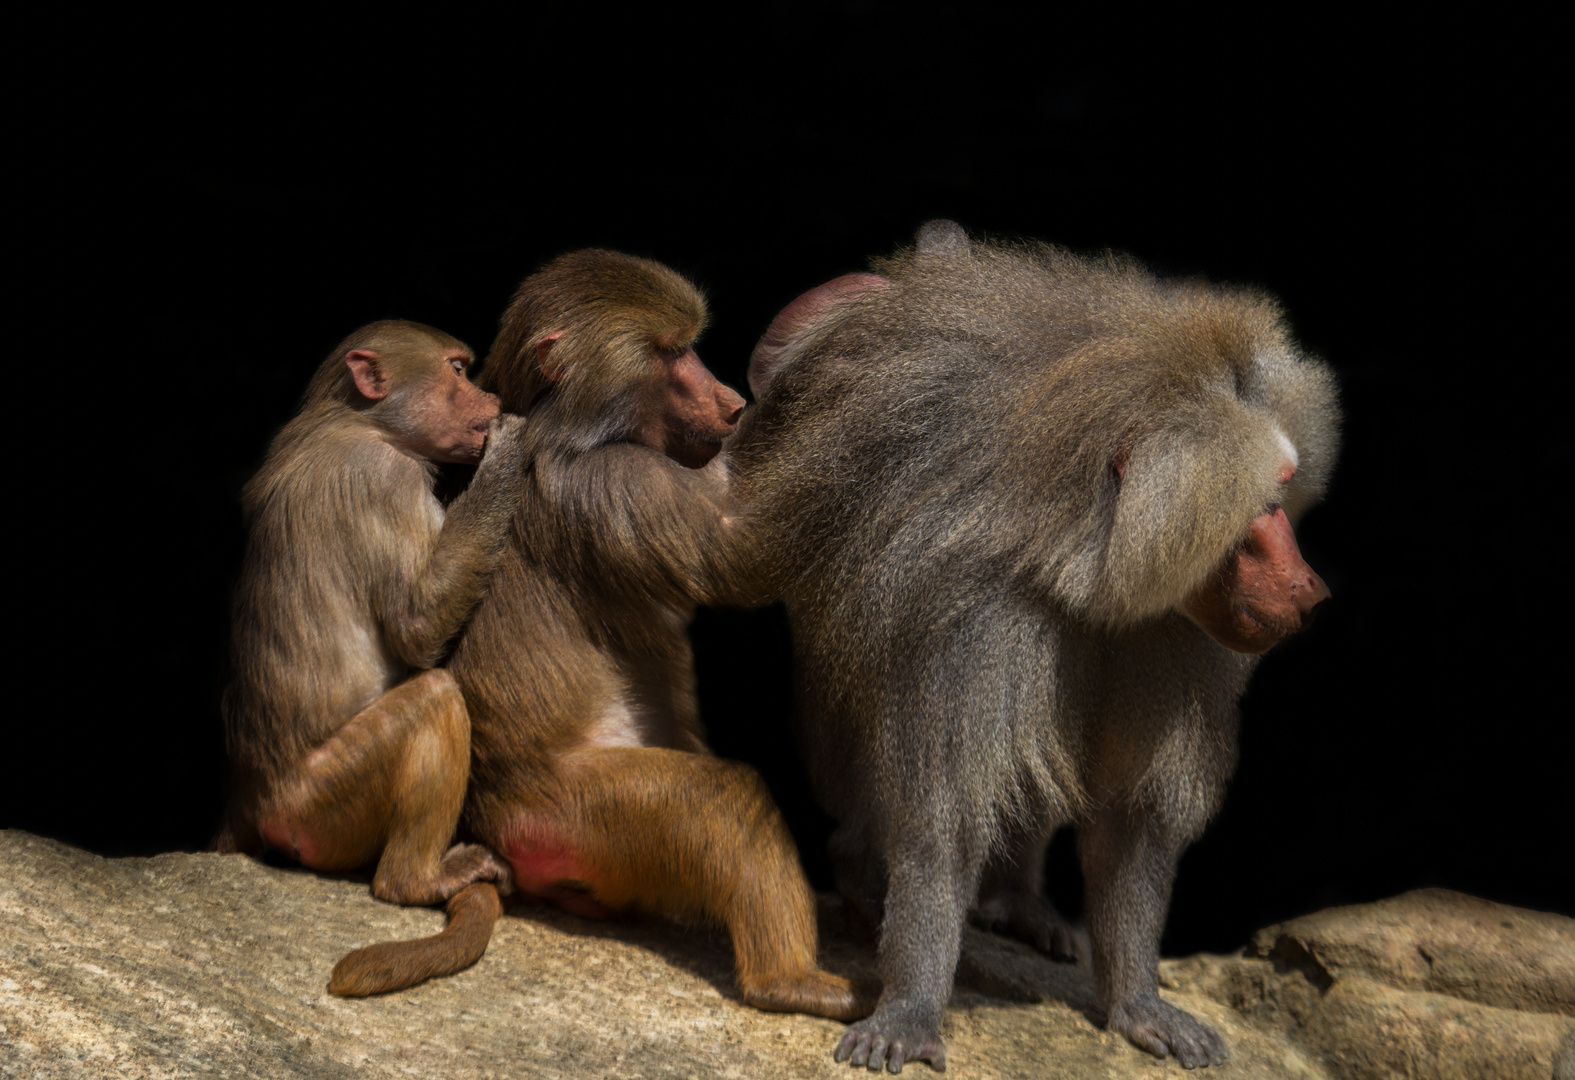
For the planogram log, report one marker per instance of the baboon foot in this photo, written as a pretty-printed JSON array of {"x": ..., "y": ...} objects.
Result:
[
  {"x": 462, "y": 865},
  {"x": 818, "y": 993},
  {"x": 1161, "y": 1028},
  {"x": 891, "y": 1038},
  {"x": 1030, "y": 919}
]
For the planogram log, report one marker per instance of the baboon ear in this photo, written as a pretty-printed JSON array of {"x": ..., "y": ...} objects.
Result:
[
  {"x": 1119, "y": 462},
  {"x": 1123, "y": 454},
  {"x": 367, "y": 370},
  {"x": 549, "y": 368}
]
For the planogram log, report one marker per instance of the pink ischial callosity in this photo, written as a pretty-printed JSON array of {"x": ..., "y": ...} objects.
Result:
[
  {"x": 284, "y": 835},
  {"x": 1262, "y": 593},
  {"x": 546, "y": 866}
]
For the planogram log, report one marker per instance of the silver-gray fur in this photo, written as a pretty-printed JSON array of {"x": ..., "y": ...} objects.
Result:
[{"x": 983, "y": 489}]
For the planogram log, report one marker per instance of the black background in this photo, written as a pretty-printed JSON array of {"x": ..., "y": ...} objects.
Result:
[{"x": 207, "y": 216}]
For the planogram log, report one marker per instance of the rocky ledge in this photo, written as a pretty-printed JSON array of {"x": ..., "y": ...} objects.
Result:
[{"x": 206, "y": 965}]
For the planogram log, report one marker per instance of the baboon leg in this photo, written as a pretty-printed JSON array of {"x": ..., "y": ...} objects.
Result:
[
  {"x": 688, "y": 835},
  {"x": 1012, "y": 899},
  {"x": 861, "y": 874},
  {"x": 1128, "y": 868},
  {"x": 932, "y": 877},
  {"x": 389, "y": 782}
]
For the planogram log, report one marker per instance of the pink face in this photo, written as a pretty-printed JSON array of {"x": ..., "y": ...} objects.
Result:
[
  {"x": 688, "y": 414},
  {"x": 444, "y": 417},
  {"x": 1264, "y": 592},
  {"x": 455, "y": 415}
]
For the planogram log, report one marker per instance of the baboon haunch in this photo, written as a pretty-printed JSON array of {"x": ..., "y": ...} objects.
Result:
[
  {"x": 1030, "y": 513},
  {"x": 591, "y": 773},
  {"x": 346, "y": 746}
]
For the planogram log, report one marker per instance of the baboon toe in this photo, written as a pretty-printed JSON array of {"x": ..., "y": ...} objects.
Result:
[{"x": 891, "y": 1039}]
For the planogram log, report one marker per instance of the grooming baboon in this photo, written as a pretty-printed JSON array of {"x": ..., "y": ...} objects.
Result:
[
  {"x": 346, "y": 746},
  {"x": 1031, "y": 515},
  {"x": 590, "y": 771}
]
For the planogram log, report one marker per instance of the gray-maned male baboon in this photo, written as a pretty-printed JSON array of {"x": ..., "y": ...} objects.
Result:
[
  {"x": 347, "y": 747},
  {"x": 1031, "y": 514}
]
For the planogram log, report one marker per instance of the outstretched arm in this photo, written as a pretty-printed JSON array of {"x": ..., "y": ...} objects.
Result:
[
  {"x": 658, "y": 528},
  {"x": 446, "y": 589}
]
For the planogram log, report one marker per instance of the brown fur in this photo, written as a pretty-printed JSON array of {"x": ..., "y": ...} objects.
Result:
[
  {"x": 346, "y": 747},
  {"x": 992, "y": 492},
  {"x": 591, "y": 773},
  {"x": 394, "y": 965}
]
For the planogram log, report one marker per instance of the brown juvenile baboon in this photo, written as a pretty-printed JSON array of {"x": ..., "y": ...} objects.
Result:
[
  {"x": 1031, "y": 514},
  {"x": 346, "y": 746},
  {"x": 591, "y": 773}
]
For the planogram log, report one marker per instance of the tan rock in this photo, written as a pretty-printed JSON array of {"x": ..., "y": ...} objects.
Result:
[
  {"x": 205, "y": 965},
  {"x": 1430, "y": 984},
  {"x": 1367, "y": 1029},
  {"x": 1442, "y": 941}
]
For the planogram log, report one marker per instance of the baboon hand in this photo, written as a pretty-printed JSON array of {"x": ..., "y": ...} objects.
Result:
[
  {"x": 893, "y": 1036},
  {"x": 1161, "y": 1028},
  {"x": 504, "y": 428}
]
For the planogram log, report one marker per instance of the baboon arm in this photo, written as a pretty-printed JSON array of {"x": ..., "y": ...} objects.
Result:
[
  {"x": 446, "y": 589},
  {"x": 931, "y": 880},
  {"x": 652, "y": 525}
]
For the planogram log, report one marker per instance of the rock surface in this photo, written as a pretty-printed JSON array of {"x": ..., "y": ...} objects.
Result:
[{"x": 205, "y": 965}]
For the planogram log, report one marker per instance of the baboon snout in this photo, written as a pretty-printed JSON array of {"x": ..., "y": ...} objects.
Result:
[
  {"x": 488, "y": 405},
  {"x": 1271, "y": 551},
  {"x": 1263, "y": 592}
]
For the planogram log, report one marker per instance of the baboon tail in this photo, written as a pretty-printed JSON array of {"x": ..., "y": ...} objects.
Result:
[{"x": 394, "y": 965}]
